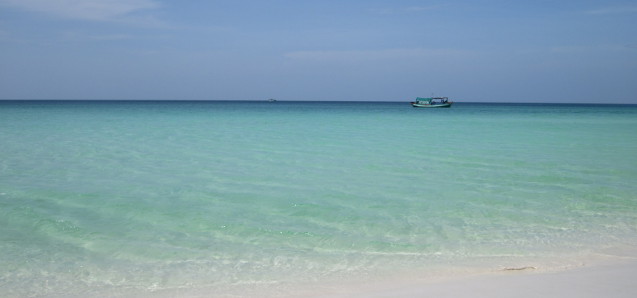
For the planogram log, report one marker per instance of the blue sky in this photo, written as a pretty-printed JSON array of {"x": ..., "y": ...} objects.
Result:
[{"x": 381, "y": 50}]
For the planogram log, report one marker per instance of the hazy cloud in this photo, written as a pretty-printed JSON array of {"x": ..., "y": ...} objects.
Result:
[
  {"x": 372, "y": 54},
  {"x": 613, "y": 10},
  {"x": 420, "y": 8},
  {"x": 402, "y": 10},
  {"x": 113, "y": 37},
  {"x": 84, "y": 36},
  {"x": 96, "y": 10},
  {"x": 588, "y": 49}
]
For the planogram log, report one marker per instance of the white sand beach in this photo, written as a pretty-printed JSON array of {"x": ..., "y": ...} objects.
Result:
[
  {"x": 598, "y": 281},
  {"x": 616, "y": 278},
  {"x": 610, "y": 279}
]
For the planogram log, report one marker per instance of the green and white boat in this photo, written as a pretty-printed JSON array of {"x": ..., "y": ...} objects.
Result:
[{"x": 431, "y": 102}]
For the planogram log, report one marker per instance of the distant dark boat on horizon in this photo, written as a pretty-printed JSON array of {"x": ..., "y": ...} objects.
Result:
[
  {"x": 431, "y": 102},
  {"x": 271, "y": 100}
]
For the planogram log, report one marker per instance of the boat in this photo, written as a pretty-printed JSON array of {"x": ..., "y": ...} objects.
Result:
[
  {"x": 271, "y": 100},
  {"x": 431, "y": 102}
]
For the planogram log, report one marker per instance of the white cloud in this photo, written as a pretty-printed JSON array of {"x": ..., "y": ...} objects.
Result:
[{"x": 97, "y": 10}]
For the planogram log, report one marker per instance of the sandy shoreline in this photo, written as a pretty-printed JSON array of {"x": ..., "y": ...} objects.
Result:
[
  {"x": 616, "y": 278},
  {"x": 602, "y": 275},
  {"x": 610, "y": 279}
]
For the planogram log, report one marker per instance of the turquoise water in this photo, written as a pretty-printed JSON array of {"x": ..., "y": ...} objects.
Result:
[{"x": 134, "y": 198}]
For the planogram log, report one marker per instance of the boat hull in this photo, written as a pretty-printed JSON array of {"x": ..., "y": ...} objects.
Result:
[{"x": 441, "y": 105}]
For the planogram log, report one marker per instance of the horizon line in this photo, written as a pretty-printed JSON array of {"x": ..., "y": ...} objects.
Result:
[{"x": 267, "y": 100}]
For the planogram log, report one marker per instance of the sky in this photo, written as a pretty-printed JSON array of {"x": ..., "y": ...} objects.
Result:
[{"x": 375, "y": 50}]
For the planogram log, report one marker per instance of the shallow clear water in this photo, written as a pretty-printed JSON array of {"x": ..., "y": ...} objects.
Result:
[{"x": 114, "y": 198}]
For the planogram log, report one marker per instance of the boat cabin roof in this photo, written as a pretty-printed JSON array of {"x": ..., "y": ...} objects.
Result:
[{"x": 430, "y": 98}]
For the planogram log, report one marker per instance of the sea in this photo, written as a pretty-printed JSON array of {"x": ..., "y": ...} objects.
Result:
[{"x": 297, "y": 198}]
